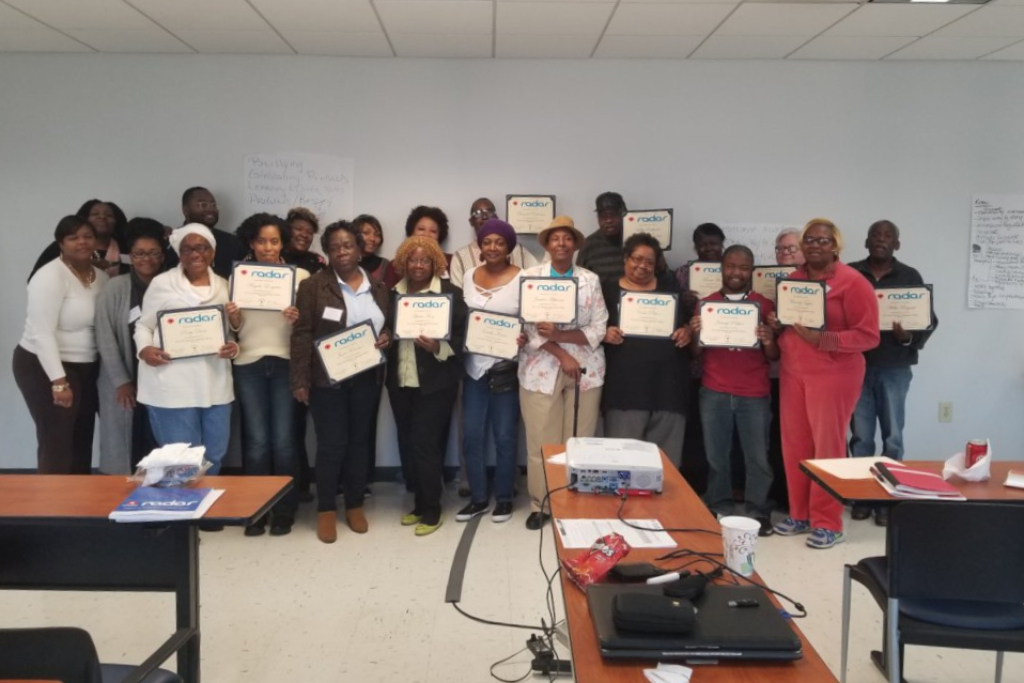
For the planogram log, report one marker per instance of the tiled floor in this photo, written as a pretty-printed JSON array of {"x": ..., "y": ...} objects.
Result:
[{"x": 371, "y": 607}]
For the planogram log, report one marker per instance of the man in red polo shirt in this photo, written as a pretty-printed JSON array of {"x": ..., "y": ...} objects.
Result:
[{"x": 735, "y": 397}]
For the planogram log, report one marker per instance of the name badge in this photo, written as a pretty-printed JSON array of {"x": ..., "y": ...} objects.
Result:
[
  {"x": 332, "y": 313},
  {"x": 134, "y": 314}
]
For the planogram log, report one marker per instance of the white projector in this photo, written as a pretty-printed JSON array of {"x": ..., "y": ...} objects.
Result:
[{"x": 613, "y": 465}]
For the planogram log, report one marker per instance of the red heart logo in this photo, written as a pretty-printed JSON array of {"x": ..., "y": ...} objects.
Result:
[
  {"x": 405, "y": 303},
  {"x": 631, "y": 219},
  {"x": 629, "y": 299},
  {"x": 170, "y": 321},
  {"x": 697, "y": 268},
  {"x": 515, "y": 203},
  {"x": 710, "y": 310},
  {"x": 245, "y": 272},
  {"x": 529, "y": 286},
  {"x": 759, "y": 274},
  {"x": 881, "y": 296},
  {"x": 785, "y": 289},
  {"x": 479, "y": 318},
  {"x": 327, "y": 346}
]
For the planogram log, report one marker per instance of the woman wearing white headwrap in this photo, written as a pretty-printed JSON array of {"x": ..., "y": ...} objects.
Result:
[{"x": 189, "y": 399}]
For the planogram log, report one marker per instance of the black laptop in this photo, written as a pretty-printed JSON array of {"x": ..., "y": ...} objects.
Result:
[{"x": 721, "y": 632}]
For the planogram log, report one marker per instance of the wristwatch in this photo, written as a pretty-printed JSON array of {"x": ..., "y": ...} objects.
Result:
[{"x": 57, "y": 388}]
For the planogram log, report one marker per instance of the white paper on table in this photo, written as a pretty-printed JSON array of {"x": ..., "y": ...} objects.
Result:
[
  {"x": 851, "y": 468},
  {"x": 669, "y": 673},
  {"x": 581, "y": 533},
  {"x": 1015, "y": 479},
  {"x": 557, "y": 459}
]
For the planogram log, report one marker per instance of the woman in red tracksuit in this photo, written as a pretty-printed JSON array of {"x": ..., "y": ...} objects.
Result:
[{"x": 820, "y": 380}]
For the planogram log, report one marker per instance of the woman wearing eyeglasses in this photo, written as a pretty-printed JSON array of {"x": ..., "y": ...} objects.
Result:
[
  {"x": 820, "y": 377},
  {"x": 647, "y": 380},
  {"x": 188, "y": 399},
  {"x": 787, "y": 248},
  {"x": 125, "y": 436}
]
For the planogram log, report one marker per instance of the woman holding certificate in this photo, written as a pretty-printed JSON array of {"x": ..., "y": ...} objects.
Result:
[
  {"x": 820, "y": 378},
  {"x": 428, "y": 316},
  {"x": 491, "y": 390},
  {"x": 261, "y": 367},
  {"x": 185, "y": 376},
  {"x": 648, "y": 375},
  {"x": 558, "y": 356},
  {"x": 342, "y": 309},
  {"x": 125, "y": 436},
  {"x": 55, "y": 363}
]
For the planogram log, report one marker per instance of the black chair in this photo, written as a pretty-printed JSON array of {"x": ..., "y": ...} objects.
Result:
[
  {"x": 951, "y": 577},
  {"x": 69, "y": 655}
]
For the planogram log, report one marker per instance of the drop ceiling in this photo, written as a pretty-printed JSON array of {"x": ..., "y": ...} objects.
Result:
[{"x": 546, "y": 29}]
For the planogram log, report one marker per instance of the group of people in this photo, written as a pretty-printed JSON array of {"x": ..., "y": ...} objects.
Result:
[{"x": 92, "y": 335}]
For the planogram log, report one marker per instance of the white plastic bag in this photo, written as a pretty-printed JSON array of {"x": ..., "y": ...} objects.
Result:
[
  {"x": 980, "y": 471},
  {"x": 173, "y": 465}
]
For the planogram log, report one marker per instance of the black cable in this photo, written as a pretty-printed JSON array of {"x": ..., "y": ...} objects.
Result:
[
  {"x": 549, "y": 632},
  {"x": 502, "y": 661},
  {"x": 622, "y": 504},
  {"x": 481, "y": 620}
]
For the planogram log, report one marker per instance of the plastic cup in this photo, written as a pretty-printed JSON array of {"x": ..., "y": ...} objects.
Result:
[{"x": 739, "y": 538}]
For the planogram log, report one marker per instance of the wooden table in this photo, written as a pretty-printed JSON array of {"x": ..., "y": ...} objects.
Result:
[
  {"x": 849, "y": 491},
  {"x": 677, "y": 507},
  {"x": 55, "y": 535}
]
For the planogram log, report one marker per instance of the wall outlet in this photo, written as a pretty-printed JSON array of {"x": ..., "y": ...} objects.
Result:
[{"x": 946, "y": 411}]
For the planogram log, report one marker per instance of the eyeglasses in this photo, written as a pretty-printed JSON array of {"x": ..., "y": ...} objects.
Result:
[
  {"x": 481, "y": 213},
  {"x": 419, "y": 262},
  {"x": 198, "y": 249},
  {"x": 641, "y": 262},
  {"x": 207, "y": 205},
  {"x": 151, "y": 255},
  {"x": 791, "y": 249},
  {"x": 820, "y": 241}
]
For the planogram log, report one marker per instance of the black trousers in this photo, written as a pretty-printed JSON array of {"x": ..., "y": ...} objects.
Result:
[
  {"x": 779, "y": 492},
  {"x": 64, "y": 435},
  {"x": 343, "y": 418},
  {"x": 422, "y": 422}
]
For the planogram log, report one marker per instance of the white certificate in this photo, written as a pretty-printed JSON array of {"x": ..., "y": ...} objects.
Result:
[
  {"x": 423, "y": 315},
  {"x": 705, "y": 277},
  {"x": 189, "y": 332},
  {"x": 729, "y": 323},
  {"x": 349, "y": 352},
  {"x": 493, "y": 334},
  {"x": 530, "y": 213},
  {"x": 911, "y": 307},
  {"x": 655, "y": 222},
  {"x": 548, "y": 299},
  {"x": 763, "y": 281},
  {"x": 801, "y": 302},
  {"x": 263, "y": 286},
  {"x": 647, "y": 314}
]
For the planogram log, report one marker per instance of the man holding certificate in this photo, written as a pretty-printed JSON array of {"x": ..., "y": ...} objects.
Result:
[
  {"x": 888, "y": 373},
  {"x": 820, "y": 378},
  {"x": 344, "y": 408},
  {"x": 185, "y": 376},
  {"x": 557, "y": 358},
  {"x": 737, "y": 347},
  {"x": 648, "y": 377}
]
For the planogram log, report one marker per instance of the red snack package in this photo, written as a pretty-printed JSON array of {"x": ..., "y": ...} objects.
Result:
[{"x": 594, "y": 565}]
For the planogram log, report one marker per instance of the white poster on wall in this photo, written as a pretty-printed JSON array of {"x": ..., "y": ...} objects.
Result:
[
  {"x": 322, "y": 183},
  {"x": 758, "y": 237},
  {"x": 997, "y": 252}
]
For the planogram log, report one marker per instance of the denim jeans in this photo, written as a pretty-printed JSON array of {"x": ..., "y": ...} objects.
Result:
[
  {"x": 210, "y": 427},
  {"x": 266, "y": 400},
  {"x": 883, "y": 399},
  {"x": 498, "y": 414},
  {"x": 720, "y": 414}
]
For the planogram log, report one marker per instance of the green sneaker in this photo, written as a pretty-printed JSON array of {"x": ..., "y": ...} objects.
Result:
[
  {"x": 427, "y": 529},
  {"x": 411, "y": 518},
  {"x": 823, "y": 538}
]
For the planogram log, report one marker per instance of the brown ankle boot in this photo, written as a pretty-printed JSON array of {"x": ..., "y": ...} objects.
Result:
[
  {"x": 327, "y": 526},
  {"x": 357, "y": 520}
]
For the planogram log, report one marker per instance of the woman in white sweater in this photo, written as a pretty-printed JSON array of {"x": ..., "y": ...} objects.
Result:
[
  {"x": 189, "y": 399},
  {"x": 55, "y": 363}
]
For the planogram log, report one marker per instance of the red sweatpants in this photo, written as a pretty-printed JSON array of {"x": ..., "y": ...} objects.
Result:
[{"x": 816, "y": 411}]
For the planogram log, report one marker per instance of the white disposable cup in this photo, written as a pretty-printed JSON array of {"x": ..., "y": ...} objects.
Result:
[{"x": 739, "y": 538}]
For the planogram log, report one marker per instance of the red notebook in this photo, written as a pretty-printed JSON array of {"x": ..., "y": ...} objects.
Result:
[{"x": 905, "y": 481}]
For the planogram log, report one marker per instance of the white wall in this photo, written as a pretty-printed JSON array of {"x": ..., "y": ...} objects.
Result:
[{"x": 774, "y": 142}]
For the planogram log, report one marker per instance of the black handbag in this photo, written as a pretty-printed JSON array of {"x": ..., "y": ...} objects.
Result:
[{"x": 503, "y": 377}]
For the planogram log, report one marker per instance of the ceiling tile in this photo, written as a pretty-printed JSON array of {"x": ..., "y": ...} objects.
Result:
[
  {"x": 97, "y": 14},
  {"x": 667, "y": 20},
  {"x": 442, "y": 44},
  {"x": 453, "y": 17},
  {"x": 1014, "y": 52},
  {"x": 40, "y": 39},
  {"x": 553, "y": 18},
  {"x": 851, "y": 47},
  {"x": 647, "y": 47},
  {"x": 351, "y": 16},
  {"x": 612, "y": 2},
  {"x": 748, "y": 47},
  {"x": 916, "y": 19},
  {"x": 988, "y": 21},
  {"x": 146, "y": 40},
  {"x": 11, "y": 18},
  {"x": 264, "y": 42},
  {"x": 340, "y": 44},
  {"x": 544, "y": 47},
  {"x": 685, "y": 2},
  {"x": 1000, "y": 3},
  {"x": 202, "y": 15},
  {"x": 783, "y": 19},
  {"x": 947, "y": 47}
]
